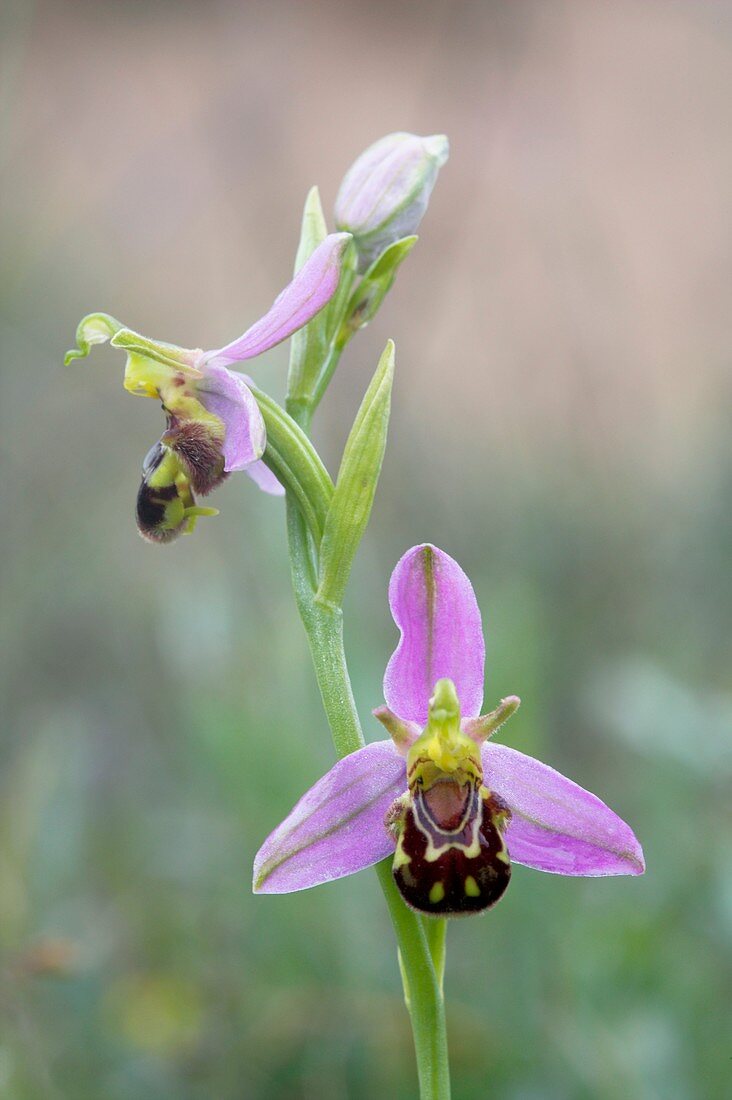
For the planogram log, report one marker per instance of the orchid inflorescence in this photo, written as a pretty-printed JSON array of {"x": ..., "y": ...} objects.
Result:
[{"x": 449, "y": 809}]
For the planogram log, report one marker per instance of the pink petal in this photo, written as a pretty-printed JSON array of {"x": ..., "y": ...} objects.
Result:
[
  {"x": 225, "y": 394},
  {"x": 434, "y": 606},
  {"x": 262, "y": 476},
  {"x": 311, "y": 289},
  {"x": 558, "y": 826},
  {"x": 337, "y": 828}
]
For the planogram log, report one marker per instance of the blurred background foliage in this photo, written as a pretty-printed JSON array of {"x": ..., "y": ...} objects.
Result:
[{"x": 560, "y": 425}]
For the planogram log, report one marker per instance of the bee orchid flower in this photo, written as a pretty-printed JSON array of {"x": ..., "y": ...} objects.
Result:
[
  {"x": 453, "y": 809},
  {"x": 213, "y": 423}
]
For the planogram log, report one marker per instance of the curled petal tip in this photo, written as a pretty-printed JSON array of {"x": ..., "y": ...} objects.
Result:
[{"x": 95, "y": 328}]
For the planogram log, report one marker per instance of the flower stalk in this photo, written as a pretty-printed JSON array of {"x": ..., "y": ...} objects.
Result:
[
  {"x": 421, "y": 953},
  {"x": 319, "y": 576}
]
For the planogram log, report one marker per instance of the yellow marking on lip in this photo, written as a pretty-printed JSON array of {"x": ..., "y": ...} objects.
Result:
[
  {"x": 472, "y": 890},
  {"x": 401, "y": 858},
  {"x": 437, "y": 893}
]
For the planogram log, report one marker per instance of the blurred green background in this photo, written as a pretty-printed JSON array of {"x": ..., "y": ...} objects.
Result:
[{"x": 560, "y": 425}]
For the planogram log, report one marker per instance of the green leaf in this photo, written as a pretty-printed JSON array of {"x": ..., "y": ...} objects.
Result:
[
  {"x": 373, "y": 288},
  {"x": 356, "y": 485}
]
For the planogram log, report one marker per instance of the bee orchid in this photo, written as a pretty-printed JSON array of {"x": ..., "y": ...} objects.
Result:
[
  {"x": 452, "y": 808},
  {"x": 213, "y": 423}
]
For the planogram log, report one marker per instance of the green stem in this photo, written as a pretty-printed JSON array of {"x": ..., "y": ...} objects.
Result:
[
  {"x": 334, "y": 355},
  {"x": 422, "y": 978},
  {"x": 324, "y": 629},
  {"x": 302, "y": 407},
  {"x": 422, "y": 991},
  {"x": 435, "y": 930}
]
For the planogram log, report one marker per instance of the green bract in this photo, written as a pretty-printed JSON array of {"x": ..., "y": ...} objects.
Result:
[
  {"x": 373, "y": 288},
  {"x": 356, "y": 485}
]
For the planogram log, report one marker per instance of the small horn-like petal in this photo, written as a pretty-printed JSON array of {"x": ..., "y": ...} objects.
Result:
[
  {"x": 403, "y": 734},
  {"x": 434, "y": 606},
  {"x": 312, "y": 288},
  {"x": 337, "y": 828},
  {"x": 480, "y": 729},
  {"x": 556, "y": 825}
]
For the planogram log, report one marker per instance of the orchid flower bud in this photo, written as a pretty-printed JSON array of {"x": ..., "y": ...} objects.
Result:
[{"x": 385, "y": 192}]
